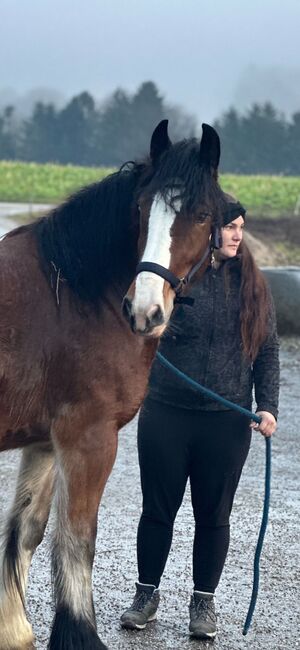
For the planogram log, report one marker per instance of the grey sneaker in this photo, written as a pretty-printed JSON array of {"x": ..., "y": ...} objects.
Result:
[
  {"x": 203, "y": 619},
  {"x": 143, "y": 608}
]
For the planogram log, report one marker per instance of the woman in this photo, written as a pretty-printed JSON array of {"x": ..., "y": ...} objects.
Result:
[{"x": 228, "y": 342}]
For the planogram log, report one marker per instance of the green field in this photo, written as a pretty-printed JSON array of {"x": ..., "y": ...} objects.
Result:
[
  {"x": 269, "y": 196},
  {"x": 34, "y": 183}
]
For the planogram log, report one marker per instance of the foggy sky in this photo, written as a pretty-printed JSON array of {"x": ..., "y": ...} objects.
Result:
[{"x": 203, "y": 56}]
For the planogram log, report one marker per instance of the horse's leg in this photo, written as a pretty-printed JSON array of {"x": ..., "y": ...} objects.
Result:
[
  {"x": 84, "y": 464},
  {"x": 23, "y": 532}
]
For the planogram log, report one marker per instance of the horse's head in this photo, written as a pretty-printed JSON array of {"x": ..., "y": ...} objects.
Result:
[{"x": 178, "y": 208}]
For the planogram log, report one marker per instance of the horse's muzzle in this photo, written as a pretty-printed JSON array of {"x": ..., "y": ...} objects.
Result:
[{"x": 142, "y": 323}]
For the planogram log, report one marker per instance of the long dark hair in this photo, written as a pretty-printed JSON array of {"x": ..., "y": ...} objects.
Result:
[{"x": 255, "y": 304}]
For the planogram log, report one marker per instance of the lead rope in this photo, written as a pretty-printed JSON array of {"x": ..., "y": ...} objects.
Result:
[{"x": 264, "y": 522}]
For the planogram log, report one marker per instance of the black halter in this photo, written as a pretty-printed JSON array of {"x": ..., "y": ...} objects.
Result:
[
  {"x": 176, "y": 283},
  {"x": 179, "y": 283}
]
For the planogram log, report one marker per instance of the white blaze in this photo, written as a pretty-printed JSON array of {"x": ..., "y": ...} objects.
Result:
[{"x": 149, "y": 286}]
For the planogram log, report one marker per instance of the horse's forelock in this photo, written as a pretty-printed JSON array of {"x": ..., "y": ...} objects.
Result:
[{"x": 179, "y": 175}]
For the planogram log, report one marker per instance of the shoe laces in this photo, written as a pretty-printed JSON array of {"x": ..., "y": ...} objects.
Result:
[
  {"x": 140, "y": 600},
  {"x": 205, "y": 607}
]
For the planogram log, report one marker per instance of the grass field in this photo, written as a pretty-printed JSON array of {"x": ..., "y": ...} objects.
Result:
[
  {"x": 34, "y": 183},
  {"x": 268, "y": 196}
]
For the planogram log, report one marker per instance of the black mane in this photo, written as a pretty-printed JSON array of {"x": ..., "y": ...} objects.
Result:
[{"x": 91, "y": 239}]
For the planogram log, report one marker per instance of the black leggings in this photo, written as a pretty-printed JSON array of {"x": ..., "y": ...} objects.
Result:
[{"x": 209, "y": 448}]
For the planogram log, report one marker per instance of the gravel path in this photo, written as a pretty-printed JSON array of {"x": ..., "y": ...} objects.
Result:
[
  {"x": 9, "y": 213},
  {"x": 276, "y": 623},
  {"x": 12, "y": 209}
]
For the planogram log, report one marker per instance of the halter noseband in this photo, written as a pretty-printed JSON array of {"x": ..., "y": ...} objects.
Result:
[{"x": 178, "y": 283}]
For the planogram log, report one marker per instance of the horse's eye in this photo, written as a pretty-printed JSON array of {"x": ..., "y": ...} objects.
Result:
[{"x": 200, "y": 218}]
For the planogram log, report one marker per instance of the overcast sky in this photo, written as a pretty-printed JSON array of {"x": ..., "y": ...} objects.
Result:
[{"x": 203, "y": 56}]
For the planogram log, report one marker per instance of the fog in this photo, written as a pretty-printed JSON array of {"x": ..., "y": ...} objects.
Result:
[{"x": 203, "y": 56}]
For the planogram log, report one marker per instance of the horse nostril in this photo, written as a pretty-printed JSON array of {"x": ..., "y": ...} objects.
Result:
[
  {"x": 156, "y": 318},
  {"x": 132, "y": 324},
  {"x": 126, "y": 308},
  {"x": 127, "y": 313}
]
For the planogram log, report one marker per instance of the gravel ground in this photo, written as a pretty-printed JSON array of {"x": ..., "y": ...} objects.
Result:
[
  {"x": 276, "y": 623},
  {"x": 9, "y": 210}
]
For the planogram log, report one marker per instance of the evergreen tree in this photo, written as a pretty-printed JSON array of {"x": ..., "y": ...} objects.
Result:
[
  {"x": 8, "y": 134},
  {"x": 127, "y": 123},
  {"x": 40, "y": 135},
  {"x": 260, "y": 141},
  {"x": 229, "y": 130},
  {"x": 116, "y": 129},
  {"x": 293, "y": 145},
  {"x": 263, "y": 136},
  {"x": 255, "y": 143},
  {"x": 77, "y": 129},
  {"x": 147, "y": 109}
]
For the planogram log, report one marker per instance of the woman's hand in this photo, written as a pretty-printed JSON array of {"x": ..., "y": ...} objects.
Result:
[{"x": 268, "y": 423}]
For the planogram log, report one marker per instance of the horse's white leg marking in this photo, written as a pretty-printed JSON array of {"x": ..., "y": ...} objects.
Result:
[
  {"x": 23, "y": 532},
  {"x": 82, "y": 471},
  {"x": 72, "y": 559},
  {"x": 149, "y": 286}
]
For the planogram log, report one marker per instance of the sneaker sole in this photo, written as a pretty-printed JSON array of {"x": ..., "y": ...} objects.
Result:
[
  {"x": 128, "y": 625},
  {"x": 203, "y": 635}
]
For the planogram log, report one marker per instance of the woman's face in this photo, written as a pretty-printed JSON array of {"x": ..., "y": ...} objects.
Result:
[{"x": 232, "y": 235}]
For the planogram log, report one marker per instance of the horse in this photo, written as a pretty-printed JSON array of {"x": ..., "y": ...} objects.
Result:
[{"x": 80, "y": 323}]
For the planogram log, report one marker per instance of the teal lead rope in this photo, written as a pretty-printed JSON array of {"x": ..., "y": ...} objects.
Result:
[{"x": 264, "y": 522}]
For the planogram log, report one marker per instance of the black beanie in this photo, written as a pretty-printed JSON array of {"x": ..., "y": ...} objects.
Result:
[{"x": 233, "y": 210}]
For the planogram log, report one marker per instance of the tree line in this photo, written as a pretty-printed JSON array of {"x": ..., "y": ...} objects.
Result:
[{"x": 260, "y": 141}]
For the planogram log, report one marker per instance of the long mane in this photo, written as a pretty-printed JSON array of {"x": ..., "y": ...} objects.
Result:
[{"x": 91, "y": 238}]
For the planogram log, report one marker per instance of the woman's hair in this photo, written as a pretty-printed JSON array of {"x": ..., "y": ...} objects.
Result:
[{"x": 255, "y": 304}]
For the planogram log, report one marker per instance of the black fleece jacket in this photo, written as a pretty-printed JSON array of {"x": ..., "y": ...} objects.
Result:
[{"x": 204, "y": 341}]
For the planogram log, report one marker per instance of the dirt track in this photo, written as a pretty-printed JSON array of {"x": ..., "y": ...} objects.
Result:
[{"x": 276, "y": 624}]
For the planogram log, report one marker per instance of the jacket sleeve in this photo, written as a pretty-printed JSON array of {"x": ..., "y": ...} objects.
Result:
[{"x": 266, "y": 369}]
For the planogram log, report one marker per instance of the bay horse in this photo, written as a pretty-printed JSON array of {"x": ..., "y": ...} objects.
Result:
[{"x": 73, "y": 370}]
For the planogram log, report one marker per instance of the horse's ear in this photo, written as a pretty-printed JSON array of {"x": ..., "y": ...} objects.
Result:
[
  {"x": 210, "y": 148},
  {"x": 160, "y": 141}
]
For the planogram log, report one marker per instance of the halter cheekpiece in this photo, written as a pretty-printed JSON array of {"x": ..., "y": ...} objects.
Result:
[{"x": 179, "y": 283}]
